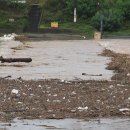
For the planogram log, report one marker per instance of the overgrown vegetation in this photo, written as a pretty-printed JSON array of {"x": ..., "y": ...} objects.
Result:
[
  {"x": 81, "y": 28},
  {"x": 12, "y": 15},
  {"x": 114, "y": 13}
]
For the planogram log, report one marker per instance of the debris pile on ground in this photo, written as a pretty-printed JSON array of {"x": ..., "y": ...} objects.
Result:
[
  {"x": 120, "y": 64},
  {"x": 21, "y": 38},
  {"x": 68, "y": 99}
]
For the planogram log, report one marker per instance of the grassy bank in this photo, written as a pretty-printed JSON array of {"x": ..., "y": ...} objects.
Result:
[
  {"x": 87, "y": 30},
  {"x": 77, "y": 28},
  {"x": 120, "y": 32}
]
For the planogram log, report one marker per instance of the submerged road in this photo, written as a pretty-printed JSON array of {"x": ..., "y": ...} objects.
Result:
[{"x": 58, "y": 59}]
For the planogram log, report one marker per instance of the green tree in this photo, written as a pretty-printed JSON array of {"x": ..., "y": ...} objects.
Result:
[
  {"x": 54, "y": 10},
  {"x": 85, "y": 8},
  {"x": 112, "y": 19}
]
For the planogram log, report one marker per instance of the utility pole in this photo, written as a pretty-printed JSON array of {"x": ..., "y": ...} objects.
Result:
[
  {"x": 99, "y": 4},
  {"x": 101, "y": 24},
  {"x": 75, "y": 11}
]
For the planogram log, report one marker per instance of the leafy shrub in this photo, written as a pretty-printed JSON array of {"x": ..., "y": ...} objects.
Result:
[
  {"x": 85, "y": 8},
  {"x": 126, "y": 9},
  {"x": 12, "y": 9},
  {"x": 112, "y": 19},
  {"x": 12, "y": 5},
  {"x": 17, "y": 25}
]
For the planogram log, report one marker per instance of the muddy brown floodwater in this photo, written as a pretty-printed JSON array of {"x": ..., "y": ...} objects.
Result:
[
  {"x": 68, "y": 124},
  {"x": 67, "y": 60},
  {"x": 72, "y": 82}
]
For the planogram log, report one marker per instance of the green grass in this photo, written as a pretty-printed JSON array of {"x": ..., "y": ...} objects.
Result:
[
  {"x": 120, "y": 32},
  {"x": 123, "y": 31},
  {"x": 77, "y": 28},
  {"x": 81, "y": 28}
]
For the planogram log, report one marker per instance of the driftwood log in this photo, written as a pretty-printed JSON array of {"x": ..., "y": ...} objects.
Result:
[{"x": 10, "y": 60}]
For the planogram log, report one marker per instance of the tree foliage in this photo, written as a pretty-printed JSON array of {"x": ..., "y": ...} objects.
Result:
[
  {"x": 12, "y": 5},
  {"x": 112, "y": 19},
  {"x": 11, "y": 9},
  {"x": 54, "y": 10},
  {"x": 85, "y": 8},
  {"x": 113, "y": 12}
]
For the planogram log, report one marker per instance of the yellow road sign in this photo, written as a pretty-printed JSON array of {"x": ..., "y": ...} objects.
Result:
[{"x": 54, "y": 24}]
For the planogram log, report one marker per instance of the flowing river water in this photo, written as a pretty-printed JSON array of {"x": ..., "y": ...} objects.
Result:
[
  {"x": 68, "y": 124},
  {"x": 67, "y": 60},
  {"x": 63, "y": 60}
]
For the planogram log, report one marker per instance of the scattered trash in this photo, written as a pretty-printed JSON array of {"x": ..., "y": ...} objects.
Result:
[
  {"x": 82, "y": 108},
  {"x": 14, "y": 91},
  {"x": 55, "y": 95},
  {"x": 24, "y": 94},
  {"x": 62, "y": 80},
  {"x": 31, "y": 94},
  {"x": 83, "y": 37},
  {"x": 50, "y": 110},
  {"x": 64, "y": 98},
  {"x": 20, "y": 103},
  {"x": 73, "y": 110},
  {"x": 53, "y": 115},
  {"x": 48, "y": 100},
  {"x": 114, "y": 96},
  {"x": 111, "y": 86},
  {"x": 73, "y": 93},
  {"x": 98, "y": 101},
  {"x": 128, "y": 74},
  {"x": 39, "y": 86},
  {"x": 124, "y": 109},
  {"x": 58, "y": 101}
]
